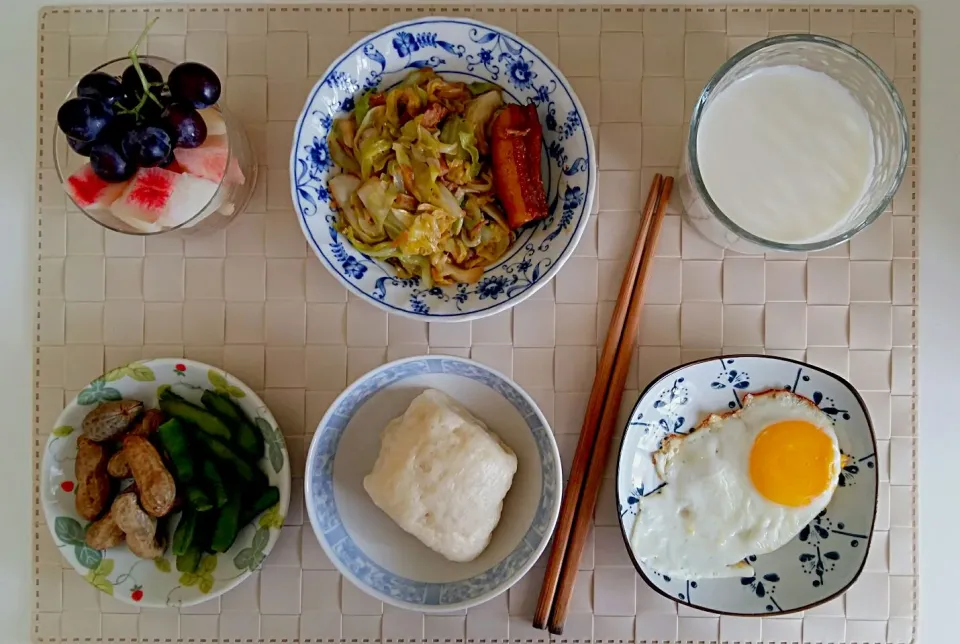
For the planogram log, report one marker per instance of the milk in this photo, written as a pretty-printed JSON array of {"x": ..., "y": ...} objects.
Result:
[{"x": 786, "y": 153}]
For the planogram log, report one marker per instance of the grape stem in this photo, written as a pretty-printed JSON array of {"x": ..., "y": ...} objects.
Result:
[{"x": 135, "y": 59}]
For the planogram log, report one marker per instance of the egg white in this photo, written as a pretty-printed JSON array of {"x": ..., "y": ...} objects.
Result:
[{"x": 709, "y": 516}]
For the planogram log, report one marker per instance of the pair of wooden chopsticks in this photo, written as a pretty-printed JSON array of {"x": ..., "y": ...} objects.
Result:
[{"x": 586, "y": 474}]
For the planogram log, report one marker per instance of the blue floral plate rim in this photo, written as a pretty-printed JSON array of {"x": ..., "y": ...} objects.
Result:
[
  {"x": 739, "y": 356},
  {"x": 587, "y": 197},
  {"x": 491, "y": 582}
]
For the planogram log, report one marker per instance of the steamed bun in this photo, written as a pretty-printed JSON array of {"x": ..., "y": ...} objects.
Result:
[{"x": 441, "y": 475}]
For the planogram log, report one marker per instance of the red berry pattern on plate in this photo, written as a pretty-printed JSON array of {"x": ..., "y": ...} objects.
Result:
[
  {"x": 137, "y": 593},
  {"x": 179, "y": 368},
  {"x": 67, "y": 486}
]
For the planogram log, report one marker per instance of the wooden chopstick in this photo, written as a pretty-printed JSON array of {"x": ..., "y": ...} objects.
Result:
[
  {"x": 604, "y": 433},
  {"x": 595, "y": 405}
]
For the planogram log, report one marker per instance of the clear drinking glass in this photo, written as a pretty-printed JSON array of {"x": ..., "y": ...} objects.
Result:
[
  {"x": 869, "y": 86},
  {"x": 231, "y": 196}
]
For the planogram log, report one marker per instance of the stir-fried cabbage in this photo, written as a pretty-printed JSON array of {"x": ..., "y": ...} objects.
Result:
[{"x": 416, "y": 187}]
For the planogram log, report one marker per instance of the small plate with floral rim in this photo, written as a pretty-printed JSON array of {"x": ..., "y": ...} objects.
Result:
[
  {"x": 828, "y": 554},
  {"x": 464, "y": 50},
  {"x": 117, "y": 571}
]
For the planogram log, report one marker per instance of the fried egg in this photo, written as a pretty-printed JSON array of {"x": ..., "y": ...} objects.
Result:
[{"x": 740, "y": 484}]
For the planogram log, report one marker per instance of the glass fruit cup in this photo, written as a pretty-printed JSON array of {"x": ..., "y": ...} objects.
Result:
[
  {"x": 204, "y": 189},
  {"x": 868, "y": 85}
]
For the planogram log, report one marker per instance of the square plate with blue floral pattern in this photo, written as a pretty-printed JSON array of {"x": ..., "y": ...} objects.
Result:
[
  {"x": 373, "y": 552},
  {"x": 466, "y": 50},
  {"x": 827, "y": 556}
]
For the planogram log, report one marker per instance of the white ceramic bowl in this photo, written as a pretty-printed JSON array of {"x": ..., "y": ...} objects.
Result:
[
  {"x": 368, "y": 548},
  {"x": 827, "y": 556},
  {"x": 467, "y": 50},
  {"x": 117, "y": 571}
]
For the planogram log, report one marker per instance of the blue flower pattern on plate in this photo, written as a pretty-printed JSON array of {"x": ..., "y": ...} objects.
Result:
[
  {"x": 633, "y": 499},
  {"x": 469, "y": 51},
  {"x": 763, "y": 586},
  {"x": 319, "y": 155},
  {"x": 819, "y": 558},
  {"x": 733, "y": 379},
  {"x": 849, "y": 472},
  {"x": 669, "y": 404},
  {"x": 520, "y": 71},
  {"x": 320, "y": 475},
  {"x": 829, "y": 553}
]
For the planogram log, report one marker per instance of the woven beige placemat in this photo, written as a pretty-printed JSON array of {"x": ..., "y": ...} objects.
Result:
[{"x": 255, "y": 301}]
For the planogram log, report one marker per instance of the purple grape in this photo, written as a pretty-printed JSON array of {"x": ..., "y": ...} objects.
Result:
[
  {"x": 147, "y": 146},
  {"x": 131, "y": 80},
  {"x": 83, "y": 118},
  {"x": 100, "y": 86},
  {"x": 80, "y": 147},
  {"x": 186, "y": 126},
  {"x": 169, "y": 160},
  {"x": 109, "y": 164},
  {"x": 150, "y": 110},
  {"x": 194, "y": 83},
  {"x": 116, "y": 129}
]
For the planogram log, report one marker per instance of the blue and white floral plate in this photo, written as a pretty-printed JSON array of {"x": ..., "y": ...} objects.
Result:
[
  {"x": 368, "y": 548},
  {"x": 458, "y": 49},
  {"x": 826, "y": 557}
]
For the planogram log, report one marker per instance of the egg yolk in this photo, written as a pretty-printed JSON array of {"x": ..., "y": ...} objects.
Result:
[{"x": 792, "y": 462}]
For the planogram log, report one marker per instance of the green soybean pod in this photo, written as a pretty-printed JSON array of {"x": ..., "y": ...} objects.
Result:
[
  {"x": 183, "y": 535},
  {"x": 248, "y": 437},
  {"x": 177, "y": 446},
  {"x": 227, "y": 526},
  {"x": 193, "y": 415}
]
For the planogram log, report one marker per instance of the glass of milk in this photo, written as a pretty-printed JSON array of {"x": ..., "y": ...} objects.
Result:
[{"x": 796, "y": 144}]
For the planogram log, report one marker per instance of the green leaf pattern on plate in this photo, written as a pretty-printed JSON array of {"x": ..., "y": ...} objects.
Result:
[
  {"x": 203, "y": 578},
  {"x": 162, "y": 564},
  {"x": 97, "y": 392},
  {"x": 260, "y": 539},
  {"x": 251, "y": 558},
  {"x": 62, "y": 431},
  {"x": 87, "y": 556},
  {"x": 220, "y": 384},
  {"x": 274, "y": 442},
  {"x": 136, "y": 370},
  {"x": 69, "y": 531},
  {"x": 98, "y": 576},
  {"x": 272, "y": 518}
]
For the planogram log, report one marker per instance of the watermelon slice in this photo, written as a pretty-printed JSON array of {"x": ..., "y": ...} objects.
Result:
[
  {"x": 209, "y": 162},
  {"x": 90, "y": 191},
  {"x": 157, "y": 198},
  {"x": 146, "y": 198},
  {"x": 191, "y": 195}
]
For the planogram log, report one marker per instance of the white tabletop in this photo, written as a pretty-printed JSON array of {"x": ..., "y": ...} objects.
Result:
[{"x": 939, "y": 275}]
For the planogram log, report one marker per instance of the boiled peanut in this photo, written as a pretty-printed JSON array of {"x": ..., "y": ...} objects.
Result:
[
  {"x": 131, "y": 518},
  {"x": 104, "y": 533},
  {"x": 157, "y": 488},
  {"x": 111, "y": 419},
  {"x": 146, "y": 548},
  {"x": 140, "y": 527},
  {"x": 151, "y": 419},
  {"x": 117, "y": 466},
  {"x": 93, "y": 482}
]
